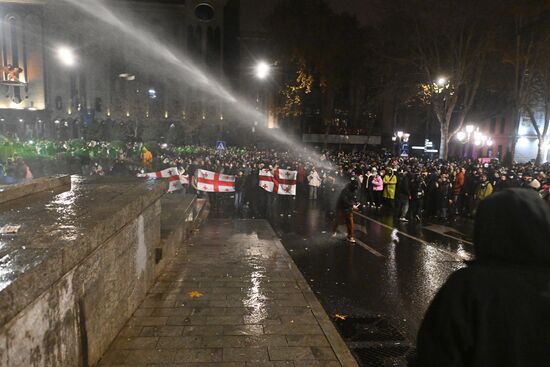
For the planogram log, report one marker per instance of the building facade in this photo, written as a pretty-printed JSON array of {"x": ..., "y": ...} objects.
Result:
[
  {"x": 127, "y": 73},
  {"x": 499, "y": 129}
]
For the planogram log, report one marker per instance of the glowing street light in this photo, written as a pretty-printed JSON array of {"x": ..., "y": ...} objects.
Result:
[
  {"x": 470, "y": 129},
  {"x": 461, "y": 136},
  {"x": 262, "y": 70},
  {"x": 66, "y": 56},
  {"x": 441, "y": 82}
]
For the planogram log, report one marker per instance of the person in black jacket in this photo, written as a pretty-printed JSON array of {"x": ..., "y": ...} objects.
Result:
[
  {"x": 402, "y": 195},
  {"x": 418, "y": 192},
  {"x": 496, "y": 311},
  {"x": 239, "y": 187},
  {"x": 444, "y": 195},
  {"x": 347, "y": 202},
  {"x": 471, "y": 182}
]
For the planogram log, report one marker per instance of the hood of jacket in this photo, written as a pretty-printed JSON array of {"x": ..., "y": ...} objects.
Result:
[{"x": 513, "y": 227}]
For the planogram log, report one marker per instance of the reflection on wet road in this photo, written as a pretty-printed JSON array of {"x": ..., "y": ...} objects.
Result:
[{"x": 394, "y": 270}]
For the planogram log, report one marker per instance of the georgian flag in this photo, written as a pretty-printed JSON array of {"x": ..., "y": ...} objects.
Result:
[
  {"x": 214, "y": 181},
  {"x": 280, "y": 181},
  {"x": 169, "y": 172},
  {"x": 175, "y": 179},
  {"x": 174, "y": 184}
]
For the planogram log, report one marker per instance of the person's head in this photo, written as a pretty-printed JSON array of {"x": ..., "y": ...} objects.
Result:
[
  {"x": 483, "y": 178},
  {"x": 353, "y": 185},
  {"x": 513, "y": 226},
  {"x": 535, "y": 184}
]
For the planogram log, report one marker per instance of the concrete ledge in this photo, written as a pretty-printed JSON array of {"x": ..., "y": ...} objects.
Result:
[
  {"x": 80, "y": 265},
  {"x": 180, "y": 215},
  {"x": 14, "y": 192}
]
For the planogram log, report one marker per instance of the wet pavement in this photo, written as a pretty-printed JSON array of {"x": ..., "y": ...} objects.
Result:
[
  {"x": 392, "y": 272},
  {"x": 382, "y": 285},
  {"x": 235, "y": 299}
]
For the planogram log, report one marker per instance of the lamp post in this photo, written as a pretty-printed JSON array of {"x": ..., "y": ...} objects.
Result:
[
  {"x": 400, "y": 138},
  {"x": 471, "y": 134},
  {"x": 67, "y": 57},
  {"x": 262, "y": 71},
  {"x": 129, "y": 78}
]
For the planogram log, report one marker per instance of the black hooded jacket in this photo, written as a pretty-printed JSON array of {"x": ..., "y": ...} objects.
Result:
[
  {"x": 347, "y": 198},
  {"x": 496, "y": 311}
]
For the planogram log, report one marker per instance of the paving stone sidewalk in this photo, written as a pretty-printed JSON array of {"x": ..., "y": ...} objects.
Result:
[{"x": 236, "y": 299}]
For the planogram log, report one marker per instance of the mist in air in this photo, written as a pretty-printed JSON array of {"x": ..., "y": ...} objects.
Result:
[{"x": 151, "y": 51}]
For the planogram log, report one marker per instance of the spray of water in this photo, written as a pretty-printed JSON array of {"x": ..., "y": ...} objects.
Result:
[{"x": 184, "y": 69}]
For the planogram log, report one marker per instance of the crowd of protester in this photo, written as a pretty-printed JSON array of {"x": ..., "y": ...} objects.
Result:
[{"x": 411, "y": 187}]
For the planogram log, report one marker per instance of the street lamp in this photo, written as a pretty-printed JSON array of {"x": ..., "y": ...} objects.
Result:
[
  {"x": 262, "y": 70},
  {"x": 471, "y": 134},
  {"x": 130, "y": 78},
  {"x": 399, "y": 138},
  {"x": 441, "y": 81},
  {"x": 66, "y": 55}
]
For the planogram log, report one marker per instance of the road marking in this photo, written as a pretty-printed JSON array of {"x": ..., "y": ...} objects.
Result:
[
  {"x": 425, "y": 243},
  {"x": 368, "y": 248},
  {"x": 363, "y": 229},
  {"x": 437, "y": 229}
]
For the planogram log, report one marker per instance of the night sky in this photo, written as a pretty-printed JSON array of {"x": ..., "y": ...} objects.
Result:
[
  {"x": 359, "y": 8},
  {"x": 254, "y": 12}
]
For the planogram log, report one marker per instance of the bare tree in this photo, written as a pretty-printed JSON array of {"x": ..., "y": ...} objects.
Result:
[
  {"x": 527, "y": 43},
  {"x": 538, "y": 99},
  {"x": 452, "y": 41}
]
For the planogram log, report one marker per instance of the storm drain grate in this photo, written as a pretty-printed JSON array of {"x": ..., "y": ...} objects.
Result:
[
  {"x": 382, "y": 356},
  {"x": 374, "y": 341}
]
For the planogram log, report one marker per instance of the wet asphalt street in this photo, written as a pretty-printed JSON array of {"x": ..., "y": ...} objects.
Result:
[{"x": 392, "y": 273}]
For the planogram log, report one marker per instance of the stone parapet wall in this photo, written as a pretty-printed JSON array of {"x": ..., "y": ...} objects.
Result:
[
  {"x": 14, "y": 192},
  {"x": 82, "y": 263}
]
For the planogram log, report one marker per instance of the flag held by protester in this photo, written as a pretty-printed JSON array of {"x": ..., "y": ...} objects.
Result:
[
  {"x": 280, "y": 181},
  {"x": 214, "y": 181},
  {"x": 169, "y": 172},
  {"x": 175, "y": 179}
]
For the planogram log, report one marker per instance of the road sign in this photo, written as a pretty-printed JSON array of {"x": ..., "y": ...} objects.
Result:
[
  {"x": 404, "y": 149},
  {"x": 221, "y": 145}
]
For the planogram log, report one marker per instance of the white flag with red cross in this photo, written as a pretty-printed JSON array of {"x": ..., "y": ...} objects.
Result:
[
  {"x": 214, "y": 181},
  {"x": 174, "y": 184},
  {"x": 184, "y": 179},
  {"x": 169, "y": 172},
  {"x": 280, "y": 181},
  {"x": 175, "y": 179}
]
